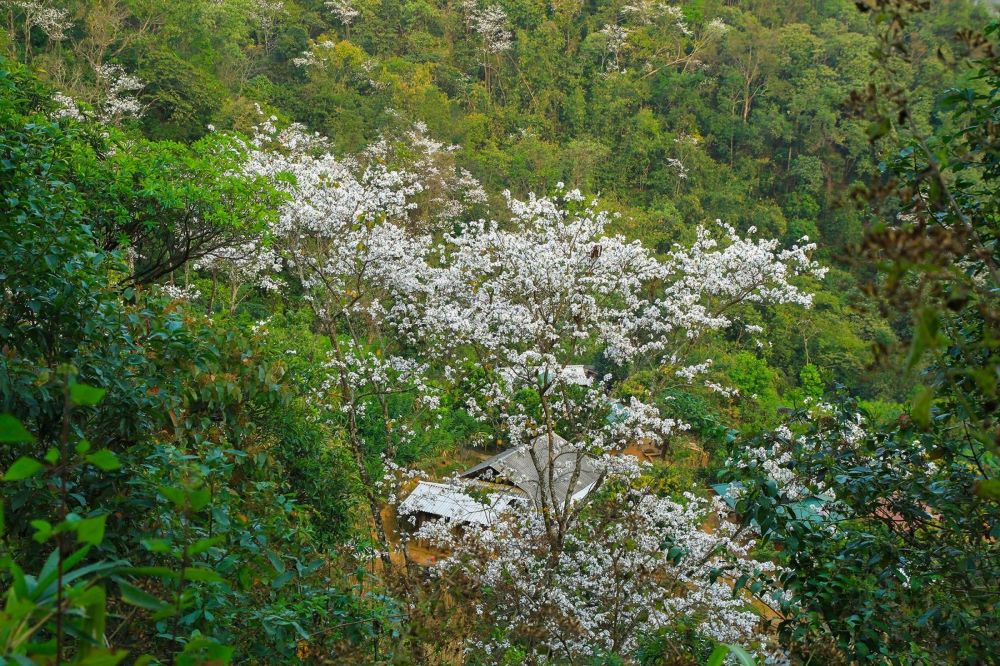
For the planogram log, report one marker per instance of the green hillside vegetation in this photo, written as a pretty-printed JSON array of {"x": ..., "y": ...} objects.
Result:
[{"x": 248, "y": 296}]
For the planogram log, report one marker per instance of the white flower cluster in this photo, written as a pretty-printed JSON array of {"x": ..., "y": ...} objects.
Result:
[
  {"x": 342, "y": 228},
  {"x": 646, "y": 12},
  {"x": 636, "y": 564},
  {"x": 67, "y": 107},
  {"x": 119, "y": 100},
  {"x": 370, "y": 375},
  {"x": 616, "y": 42},
  {"x": 491, "y": 25},
  {"x": 664, "y": 26},
  {"x": 250, "y": 263},
  {"x": 312, "y": 57},
  {"x": 641, "y": 423},
  {"x": 265, "y": 13},
  {"x": 777, "y": 462},
  {"x": 53, "y": 21},
  {"x": 180, "y": 293},
  {"x": 343, "y": 10},
  {"x": 678, "y": 167},
  {"x": 448, "y": 190},
  {"x": 689, "y": 372}
]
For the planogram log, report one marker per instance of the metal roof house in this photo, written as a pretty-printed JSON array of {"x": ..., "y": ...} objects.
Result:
[
  {"x": 580, "y": 375},
  {"x": 443, "y": 500},
  {"x": 517, "y": 468},
  {"x": 507, "y": 481},
  {"x": 573, "y": 375}
]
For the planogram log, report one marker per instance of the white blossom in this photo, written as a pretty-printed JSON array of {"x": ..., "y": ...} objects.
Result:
[
  {"x": 343, "y": 10},
  {"x": 491, "y": 25},
  {"x": 118, "y": 101},
  {"x": 67, "y": 107},
  {"x": 53, "y": 21},
  {"x": 635, "y": 564}
]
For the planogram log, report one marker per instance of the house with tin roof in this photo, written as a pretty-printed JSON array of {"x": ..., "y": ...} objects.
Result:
[{"x": 516, "y": 479}]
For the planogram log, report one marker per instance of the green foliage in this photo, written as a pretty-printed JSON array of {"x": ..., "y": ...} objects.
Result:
[
  {"x": 899, "y": 563},
  {"x": 168, "y": 457},
  {"x": 811, "y": 381},
  {"x": 758, "y": 385},
  {"x": 720, "y": 653},
  {"x": 149, "y": 450}
]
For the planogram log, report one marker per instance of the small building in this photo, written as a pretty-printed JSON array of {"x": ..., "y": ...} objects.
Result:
[
  {"x": 573, "y": 375},
  {"x": 472, "y": 506},
  {"x": 507, "y": 481},
  {"x": 580, "y": 375},
  {"x": 519, "y": 468}
]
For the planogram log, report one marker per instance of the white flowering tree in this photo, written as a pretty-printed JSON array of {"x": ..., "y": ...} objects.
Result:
[
  {"x": 118, "y": 100},
  {"x": 115, "y": 98},
  {"x": 241, "y": 268},
  {"x": 616, "y": 44},
  {"x": 632, "y": 565},
  {"x": 504, "y": 309},
  {"x": 23, "y": 16},
  {"x": 345, "y": 11},
  {"x": 447, "y": 190},
  {"x": 492, "y": 27},
  {"x": 265, "y": 17},
  {"x": 343, "y": 237},
  {"x": 656, "y": 35},
  {"x": 528, "y": 298},
  {"x": 525, "y": 300}
]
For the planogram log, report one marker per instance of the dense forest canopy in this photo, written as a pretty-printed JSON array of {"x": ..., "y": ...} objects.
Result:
[{"x": 471, "y": 332}]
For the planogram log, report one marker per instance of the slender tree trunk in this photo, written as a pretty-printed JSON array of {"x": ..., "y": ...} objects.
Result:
[{"x": 357, "y": 449}]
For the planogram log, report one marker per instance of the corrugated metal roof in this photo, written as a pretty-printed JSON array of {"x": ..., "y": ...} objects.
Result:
[
  {"x": 515, "y": 466},
  {"x": 457, "y": 504},
  {"x": 581, "y": 375}
]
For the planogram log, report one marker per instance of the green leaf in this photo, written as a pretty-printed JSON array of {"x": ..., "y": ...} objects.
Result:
[
  {"x": 200, "y": 498},
  {"x": 91, "y": 530},
  {"x": 175, "y": 495},
  {"x": 104, "y": 459},
  {"x": 283, "y": 579},
  {"x": 11, "y": 430},
  {"x": 920, "y": 410},
  {"x": 202, "y": 574},
  {"x": 720, "y": 653},
  {"x": 276, "y": 562},
  {"x": 988, "y": 489},
  {"x": 137, "y": 597},
  {"x": 197, "y": 499},
  {"x": 202, "y": 651},
  {"x": 85, "y": 395},
  {"x": 156, "y": 545},
  {"x": 22, "y": 468},
  {"x": 154, "y": 572},
  {"x": 102, "y": 657},
  {"x": 879, "y": 129},
  {"x": 201, "y": 545},
  {"x": 43, "y": 530}
]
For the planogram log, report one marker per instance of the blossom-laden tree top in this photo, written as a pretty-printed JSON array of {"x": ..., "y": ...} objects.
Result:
[{"x": 387, "y": 269}]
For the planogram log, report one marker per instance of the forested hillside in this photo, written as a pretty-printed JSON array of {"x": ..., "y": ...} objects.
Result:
[{"x": 548, "y": 332}]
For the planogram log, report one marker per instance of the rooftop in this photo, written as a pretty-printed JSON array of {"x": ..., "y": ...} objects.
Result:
[
  {"x": 458, "y": 504},
  {"x": 516, "y": 467}
]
